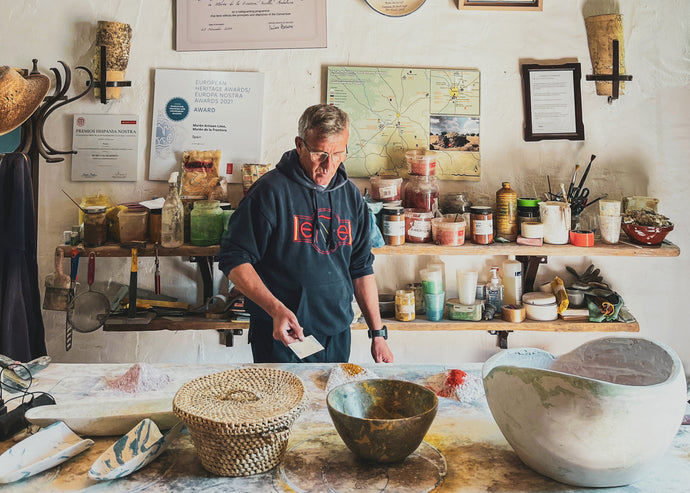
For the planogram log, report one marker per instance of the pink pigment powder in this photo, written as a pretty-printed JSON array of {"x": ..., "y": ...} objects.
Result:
[{"x": 141, "y": 377}]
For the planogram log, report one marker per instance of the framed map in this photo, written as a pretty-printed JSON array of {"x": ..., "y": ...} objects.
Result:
[{"x": 393, "y": 110}]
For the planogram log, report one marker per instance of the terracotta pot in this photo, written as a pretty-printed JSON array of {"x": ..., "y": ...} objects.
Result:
[{"x": 598, "y": 416}]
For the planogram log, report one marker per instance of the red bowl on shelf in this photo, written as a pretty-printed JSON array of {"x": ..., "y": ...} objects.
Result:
[{"x": 646, "y": 235}]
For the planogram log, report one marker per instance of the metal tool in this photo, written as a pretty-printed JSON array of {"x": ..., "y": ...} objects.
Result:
[
  {"x": 90, "y": 309},
  {"x": 57, "y": 286},
  {"x": 157, "y": 275},
  {"x": 132, "y": 317}
]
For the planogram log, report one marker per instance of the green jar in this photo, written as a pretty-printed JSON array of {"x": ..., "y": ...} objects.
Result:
[{"x": 206, "y": 223}]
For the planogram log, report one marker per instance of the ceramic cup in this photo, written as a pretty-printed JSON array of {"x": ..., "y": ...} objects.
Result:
[
  {"x": 610, "y": 229},
  {"x": 609, "y": 207},
  {"x": 467, "y": 286},
  {"x": 556, "y": 219}
]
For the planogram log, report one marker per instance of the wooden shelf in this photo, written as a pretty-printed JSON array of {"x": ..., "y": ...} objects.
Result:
[
  {"x": 422, "y": 324},
  {"x": 599, "y": 249},
  {"x": 115, "y": 250},
  {"x": 188, "y": 322}
]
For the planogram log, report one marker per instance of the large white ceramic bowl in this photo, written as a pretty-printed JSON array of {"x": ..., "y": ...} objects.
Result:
[{"x": 597, "y": 416}]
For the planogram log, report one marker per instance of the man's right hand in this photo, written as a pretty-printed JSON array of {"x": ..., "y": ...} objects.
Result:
[{"x": 286, "y": 328}]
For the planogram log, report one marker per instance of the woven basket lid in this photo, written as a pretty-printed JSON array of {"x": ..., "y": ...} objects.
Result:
[{"x": 246, "y": 400}]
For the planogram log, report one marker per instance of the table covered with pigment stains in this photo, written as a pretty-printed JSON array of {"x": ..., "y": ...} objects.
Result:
[{"x": 463, "y": 451}]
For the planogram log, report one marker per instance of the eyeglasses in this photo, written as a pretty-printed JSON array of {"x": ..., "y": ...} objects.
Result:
[{"x": 322, "y": 157}]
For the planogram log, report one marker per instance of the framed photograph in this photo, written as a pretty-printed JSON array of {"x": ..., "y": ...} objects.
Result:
[
  {"x": 553, "y": 102},
  {"x": 500, "y": 5}
]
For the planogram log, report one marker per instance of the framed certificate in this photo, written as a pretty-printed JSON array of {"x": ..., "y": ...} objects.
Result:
[
  {"x": 553, "y": 102},
  {"x": 500, "y": 5},
  {"x": 395, "y": 8}
]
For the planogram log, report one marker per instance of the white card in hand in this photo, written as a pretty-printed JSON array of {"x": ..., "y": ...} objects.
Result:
[{"x": 307, "y": 347}]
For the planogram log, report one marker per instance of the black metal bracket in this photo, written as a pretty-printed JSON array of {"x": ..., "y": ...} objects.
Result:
[
  {"x": 502, "y": 340},
  {"x": 227, "y": 336},
  {"x": 530, "y": 266},
  {"x": 104, "y": 83},
  {"x": 33, "y": 141},
  {"x": 615, "y": 77},
  {"x": 205, "y": 264}
]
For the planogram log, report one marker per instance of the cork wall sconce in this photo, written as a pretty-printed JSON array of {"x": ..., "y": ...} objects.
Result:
[
  {"x": 110, "y": 60},
  {"x": 605, "y": 39}
]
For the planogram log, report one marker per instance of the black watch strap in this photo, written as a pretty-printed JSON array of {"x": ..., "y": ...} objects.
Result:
[{"x": 379, "y": 333}]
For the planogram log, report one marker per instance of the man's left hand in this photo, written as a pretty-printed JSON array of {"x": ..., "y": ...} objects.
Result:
[{"x": 380, "y": 350}]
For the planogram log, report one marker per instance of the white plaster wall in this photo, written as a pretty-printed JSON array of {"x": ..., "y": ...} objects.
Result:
[{"x": 641, "y": 142}]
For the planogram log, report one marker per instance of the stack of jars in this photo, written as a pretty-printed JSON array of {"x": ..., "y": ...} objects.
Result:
[{"x": 420, "y": 195}]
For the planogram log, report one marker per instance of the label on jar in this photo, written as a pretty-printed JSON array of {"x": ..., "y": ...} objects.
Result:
[
  {"x": 483, "y": 227},
  {"x": 393, "y": 228},
  {"x": 421, "y": 229},
  {"x": 388, "y": 192}
]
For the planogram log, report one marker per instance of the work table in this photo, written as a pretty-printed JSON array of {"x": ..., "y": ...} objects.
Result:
[{"x": 463, "y": 450}]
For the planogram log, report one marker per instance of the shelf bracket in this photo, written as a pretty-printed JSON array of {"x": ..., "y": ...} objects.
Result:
[
  {"x": 206, "y": 270},
  {"x": 502, "y": 339},
  {"x": 227, "y": 336},
  {"x": 530, "y": 266}
]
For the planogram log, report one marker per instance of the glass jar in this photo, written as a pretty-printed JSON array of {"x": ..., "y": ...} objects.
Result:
[
  {"x": 155, "y": 221},
  {"x": 455, "y": 203},
  {"x": 206, "y": 223},
  {"x": 404, "y": 305},
  {"x": 385, "y": 188},
  {"x": 527, "y": 211},
  {"x": 421, "y": 192},
  {"x": 95, "y": 228},
  {"x": 394, "y": 226},
  {"x": 482, "y": 224},
  {"x": 418, "y": 225}
]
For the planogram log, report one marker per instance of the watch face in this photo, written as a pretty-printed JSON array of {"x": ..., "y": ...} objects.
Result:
[{"x": 395, "y": 8}]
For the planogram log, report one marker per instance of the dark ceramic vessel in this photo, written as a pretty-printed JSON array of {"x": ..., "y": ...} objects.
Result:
[
  {"x": 646, "y": 235},
  {"x": 382, "y": 420}
]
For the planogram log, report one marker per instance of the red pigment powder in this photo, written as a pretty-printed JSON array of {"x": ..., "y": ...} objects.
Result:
[{"x": 139, "y": 378}]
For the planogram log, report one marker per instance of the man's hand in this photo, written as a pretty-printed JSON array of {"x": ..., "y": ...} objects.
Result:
[
  {"x": 380, "y": 350},
  {"x": 286, "y": 328}
]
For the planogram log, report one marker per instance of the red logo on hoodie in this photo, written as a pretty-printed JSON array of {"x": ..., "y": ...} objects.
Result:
[{"x": 303, "y": 230}]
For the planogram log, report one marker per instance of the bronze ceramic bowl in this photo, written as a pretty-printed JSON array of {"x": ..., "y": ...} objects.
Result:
[
  {"x": 382, "y": 420},
  {"x": 646, "y": 235}
]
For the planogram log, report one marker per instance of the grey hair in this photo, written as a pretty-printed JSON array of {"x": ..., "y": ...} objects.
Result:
[{"x": 324, "y": 119}]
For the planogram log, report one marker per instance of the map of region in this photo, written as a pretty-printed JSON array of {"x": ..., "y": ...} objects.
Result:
[{"x": 393, "y": 110}]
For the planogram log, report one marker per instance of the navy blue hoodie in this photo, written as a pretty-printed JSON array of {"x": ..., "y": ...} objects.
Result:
[{"x": 306, "y": 242}]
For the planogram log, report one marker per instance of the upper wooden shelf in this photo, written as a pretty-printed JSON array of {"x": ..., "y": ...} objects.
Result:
[
  {"x": 666, "y": 249},
  {"x": 599, "y": 249}
]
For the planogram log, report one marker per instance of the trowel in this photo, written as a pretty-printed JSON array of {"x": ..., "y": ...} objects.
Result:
[{"x": 57, "y": 286}]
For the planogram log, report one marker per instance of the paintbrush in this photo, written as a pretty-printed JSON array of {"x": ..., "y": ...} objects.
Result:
[
  {"x": 572, "y": 182},
  {"x": 584, "y": 176}
]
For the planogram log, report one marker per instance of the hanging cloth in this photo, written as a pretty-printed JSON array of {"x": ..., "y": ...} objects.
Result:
[{"x": 22, "y": 334}]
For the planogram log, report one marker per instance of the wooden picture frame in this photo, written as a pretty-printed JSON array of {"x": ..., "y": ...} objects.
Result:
[
  {"x": 500, "y": 4},
  {"x": 553, "y": 102}
]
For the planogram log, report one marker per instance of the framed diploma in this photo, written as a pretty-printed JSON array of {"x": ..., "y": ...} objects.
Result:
[
  {"x": 208, "y": 25},
  {"x": 500, "y": 4},
  {"x": 553, "y": 102}
]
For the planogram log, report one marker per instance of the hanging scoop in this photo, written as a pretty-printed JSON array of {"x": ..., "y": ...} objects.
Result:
[{"x": 57, "y": 286}]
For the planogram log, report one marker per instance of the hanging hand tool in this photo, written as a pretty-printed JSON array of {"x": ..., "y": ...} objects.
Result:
[
  {"x": 74, "y": 268},
  {"x": 157, "y": 274}
]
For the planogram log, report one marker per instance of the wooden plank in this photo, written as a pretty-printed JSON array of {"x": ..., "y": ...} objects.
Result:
[
  {"x": 115, "y": 250},
  {"x": 422, "y": 324},
  {"x": 599, "y": 249},
  {"x": 178, "y": 323}
]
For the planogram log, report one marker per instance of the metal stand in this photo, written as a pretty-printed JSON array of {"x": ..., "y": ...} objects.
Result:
[
  {"x": 33, "y": 142},
  {"x": 615, "y": 77},
  {"x": 103, "y": 81}
]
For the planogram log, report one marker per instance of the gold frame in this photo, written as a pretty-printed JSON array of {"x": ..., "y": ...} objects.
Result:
[{"x": 500, "y": 5}]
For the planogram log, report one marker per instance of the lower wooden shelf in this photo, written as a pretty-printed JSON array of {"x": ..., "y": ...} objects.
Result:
[{"x": 419, "y": 324}]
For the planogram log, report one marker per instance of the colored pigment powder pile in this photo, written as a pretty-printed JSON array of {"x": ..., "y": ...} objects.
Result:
[
  {"x": 141, "y": 377},
  {"x": 456, "y": 384}
]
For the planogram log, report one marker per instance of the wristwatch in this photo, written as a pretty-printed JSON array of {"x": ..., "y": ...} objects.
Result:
[{"x": 378, "y": 333}]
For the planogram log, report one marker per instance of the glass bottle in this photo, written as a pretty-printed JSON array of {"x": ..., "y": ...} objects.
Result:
[
  {"x": 506, "y": 213},
  {"x": 172, "y": 216}
]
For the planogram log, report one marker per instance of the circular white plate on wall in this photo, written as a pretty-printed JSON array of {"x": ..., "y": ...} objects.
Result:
[{"x": 395, "y": 8}]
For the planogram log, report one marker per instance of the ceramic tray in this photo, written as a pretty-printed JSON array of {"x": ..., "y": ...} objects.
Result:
[
  {"x": 136, "y": 449},
  {"x": 104, "y": 417},
  {"x": 47, "y": 448}
]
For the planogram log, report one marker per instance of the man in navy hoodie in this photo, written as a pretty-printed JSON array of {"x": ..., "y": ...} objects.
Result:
[{"x": 298, "y": 247}]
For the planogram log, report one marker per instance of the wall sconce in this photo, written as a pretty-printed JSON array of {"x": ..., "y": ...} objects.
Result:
[
  {"x": 110, "y": 60},
  {"x": 605, "y": 39}
]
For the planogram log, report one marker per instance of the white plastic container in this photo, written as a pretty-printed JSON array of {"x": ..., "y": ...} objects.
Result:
[
  {"x": 494, "y": 290},
  {"x": 512, "y": 281}
]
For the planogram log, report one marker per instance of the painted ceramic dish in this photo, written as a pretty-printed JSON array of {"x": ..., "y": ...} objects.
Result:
[
  {"x": 646, "y": 235},
  {"x": 136, "y": 449},
  {"x": 398, "y": 8},
  {"x": 41, "y": 451},
  {"x": 105, "y": 417},
  {"x": 382, "y": 420},
  {"x": 598, "y": 416}
]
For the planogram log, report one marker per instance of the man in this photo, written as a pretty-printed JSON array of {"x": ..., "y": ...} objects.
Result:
[{"x": 298, "y": 246}]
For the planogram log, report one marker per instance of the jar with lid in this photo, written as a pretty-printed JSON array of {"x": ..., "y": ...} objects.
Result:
[
  {"x": 506, "y": 213},
  {"x": 455, "y": 203},
  {"x": 527, "y": 210},
  {"x": 404, "y": 305},
  {"x": 421, "y": 192},
  {"x": 206, "y": 223},
  {"x": 482, "y": 224},
  {"x": 418, "y": 225},
  {"x": 95, "y": 228},
  {"x": 385, "y": 188},
  {"x": 394, "y": 225}
]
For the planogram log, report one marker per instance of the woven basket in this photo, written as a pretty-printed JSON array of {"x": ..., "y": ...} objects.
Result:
[{"x": 240, "y": 420}]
